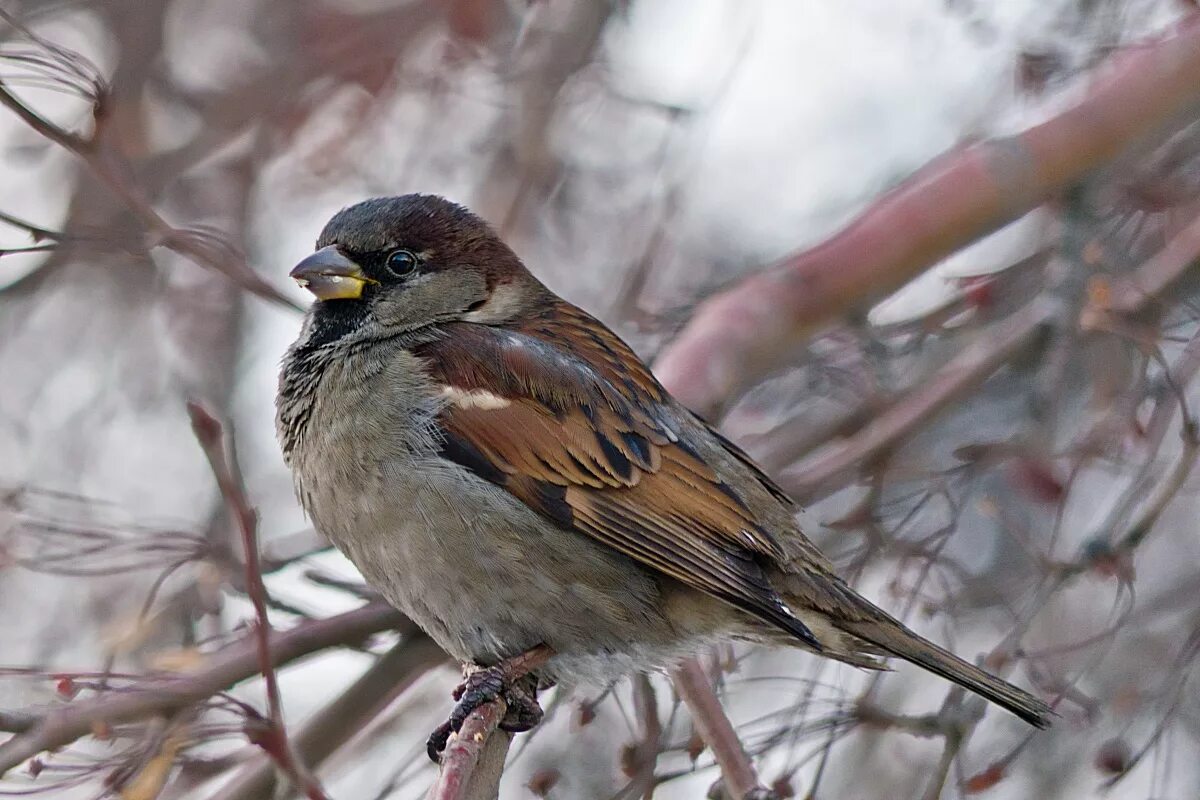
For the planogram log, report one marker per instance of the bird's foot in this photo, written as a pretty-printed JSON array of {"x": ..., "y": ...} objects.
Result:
[
  {"x": 523, "y": 712},
  {"x": 511, "y": 681}
]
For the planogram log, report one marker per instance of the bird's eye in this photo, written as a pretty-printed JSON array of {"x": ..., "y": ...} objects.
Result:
[{"x": 402, "y": 263}]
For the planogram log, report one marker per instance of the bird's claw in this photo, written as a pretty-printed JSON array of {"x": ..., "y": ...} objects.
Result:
[
  {"x": 483, "y": 685},
  {"x": 437, "y": 741},
  {"x": 523, "y": 712}
]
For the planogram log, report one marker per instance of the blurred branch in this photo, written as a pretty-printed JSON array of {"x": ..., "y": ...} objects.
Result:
[
  {"x": 47, "y": 730},
  {"x": 643, "y": 756},
  {"x": 220, "y": 455},
  {"x": 199, "y": 246},
  {"x": 1131, "y": 294},
  {"x": 347, "y": 715},
  {"x": 1165, "y": 491},
  {"x": 1102, "y": 549},
  {"x": 696, "y": 690},
  {"x": 34, "y": 248},
  {"x": 556, "y": 42},
  {"x": 37, "y": 232},
  {"x": 282, "y": 550},
  {"x": 744, "y": 332},
  {"x": 829, "y": 467},
  {"x": 352, "y": 587},
  {"x": 17, "y": 721}
]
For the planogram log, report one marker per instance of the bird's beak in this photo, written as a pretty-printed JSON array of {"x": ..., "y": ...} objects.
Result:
[{"x": 330, "y": 275}]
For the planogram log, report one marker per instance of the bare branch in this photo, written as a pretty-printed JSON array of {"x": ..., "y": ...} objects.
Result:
[
  {"x": 210, "y": 434},
  {"x": 829, "y": 467},
  {"x": 344, "y": 717},
  {"x": 643, "y": 756},
  {"x": 743, "y": 333},
  {"x": 474, "y": 758},
  {"x": 36, "y": 232},
  {"x": 230, "y": 665},
  {"x": 190, "y": 244},
  {"x": 1149, "y": 281},
  {"x": 737, "y": 771},
  {"x": 473, "y": 761}
]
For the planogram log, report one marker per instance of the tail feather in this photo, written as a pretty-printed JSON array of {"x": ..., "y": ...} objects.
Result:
[{"x": 895, "y": 639}]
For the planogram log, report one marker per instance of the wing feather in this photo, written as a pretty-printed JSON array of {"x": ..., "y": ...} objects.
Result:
[{"x": 582, "y": 433}]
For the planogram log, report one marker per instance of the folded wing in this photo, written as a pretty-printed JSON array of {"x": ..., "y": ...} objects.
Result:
[{"x": 577, "y": 429}]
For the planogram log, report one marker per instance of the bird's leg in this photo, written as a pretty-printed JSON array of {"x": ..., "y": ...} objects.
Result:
[{"x": 511, "y": 680}]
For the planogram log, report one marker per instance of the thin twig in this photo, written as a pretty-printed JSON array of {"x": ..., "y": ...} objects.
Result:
[
  {"x": 829, "y": 467},
  {"x": 49, "y": 730},
  {"x": 346, "y": 716},
  {"x": 737, "y": 771},
  {"x": 221, "y": 457},
  {"x": 36, "y": 232},
  {"x": 1149, "y": 281},
  {"x": 160, "y": 233}
]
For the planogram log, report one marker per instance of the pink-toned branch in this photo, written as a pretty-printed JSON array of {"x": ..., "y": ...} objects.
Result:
[
  {"x": 274, "y": 740},
  {"x": 47, "y": 730},
  {"x": 737, "y": 770},
  {"x": 345, "y": 716},
  {"x": 642, "y": 757},
  {"x": 474, "y": 758},
  {"x": 473, "y": 761},
  {"x": 826, "y": 469},
  {"x": 743, "y": 333}
]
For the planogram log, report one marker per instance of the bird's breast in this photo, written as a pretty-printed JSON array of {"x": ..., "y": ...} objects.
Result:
[
  {"x": 346, "y": 419},
  {"x": 476, "y": 568}
]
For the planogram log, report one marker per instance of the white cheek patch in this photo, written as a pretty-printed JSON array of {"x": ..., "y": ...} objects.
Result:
[{"x": 475, "y": 398}]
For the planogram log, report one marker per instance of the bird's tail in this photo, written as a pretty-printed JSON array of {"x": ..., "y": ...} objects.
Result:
[{"x": 893, "y": 638}]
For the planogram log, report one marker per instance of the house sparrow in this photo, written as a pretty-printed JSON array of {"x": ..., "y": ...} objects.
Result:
[{"x": 508, "y": 473}]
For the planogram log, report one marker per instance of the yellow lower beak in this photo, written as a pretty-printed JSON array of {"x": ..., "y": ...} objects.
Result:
[{"x": 330, "y": 275}]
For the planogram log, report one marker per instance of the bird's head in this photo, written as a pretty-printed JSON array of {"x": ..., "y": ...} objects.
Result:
[{"x": 397, "y": 264}]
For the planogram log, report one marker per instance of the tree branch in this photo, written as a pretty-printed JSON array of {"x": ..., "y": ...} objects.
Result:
[
  {"x": 829, "y": 467},
  {"x": 221, "y": 459},
  {"x": 643, "y": 755},
  {"x": 344, "y": 717},
  {"x": 737, "y": 771},
  {"x": 473, "y": 761},
  {"x": 36, "y": 232},
  {"x": 47, "y": 730},
  {"x": 744, "y": 332},
  {"x": 194, "y": 245},
  {"x": 1131, "y": 294}
]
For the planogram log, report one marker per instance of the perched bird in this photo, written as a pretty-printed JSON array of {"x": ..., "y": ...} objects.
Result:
[{"x": 507, "y": 472}]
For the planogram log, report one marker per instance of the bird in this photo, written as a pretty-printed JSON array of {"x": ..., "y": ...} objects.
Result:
[{"x": 506, "y": 471}]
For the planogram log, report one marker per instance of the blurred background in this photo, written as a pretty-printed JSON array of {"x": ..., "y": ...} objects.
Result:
[{"x": 994, "y": 442}]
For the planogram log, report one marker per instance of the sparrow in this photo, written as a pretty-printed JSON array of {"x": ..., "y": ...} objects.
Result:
[{"x": 504, "y": 469}]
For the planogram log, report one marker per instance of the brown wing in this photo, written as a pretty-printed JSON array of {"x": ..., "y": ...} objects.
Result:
[
  {"x": 620, "y": 366},
  {"x": 578, "y": 429}
]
